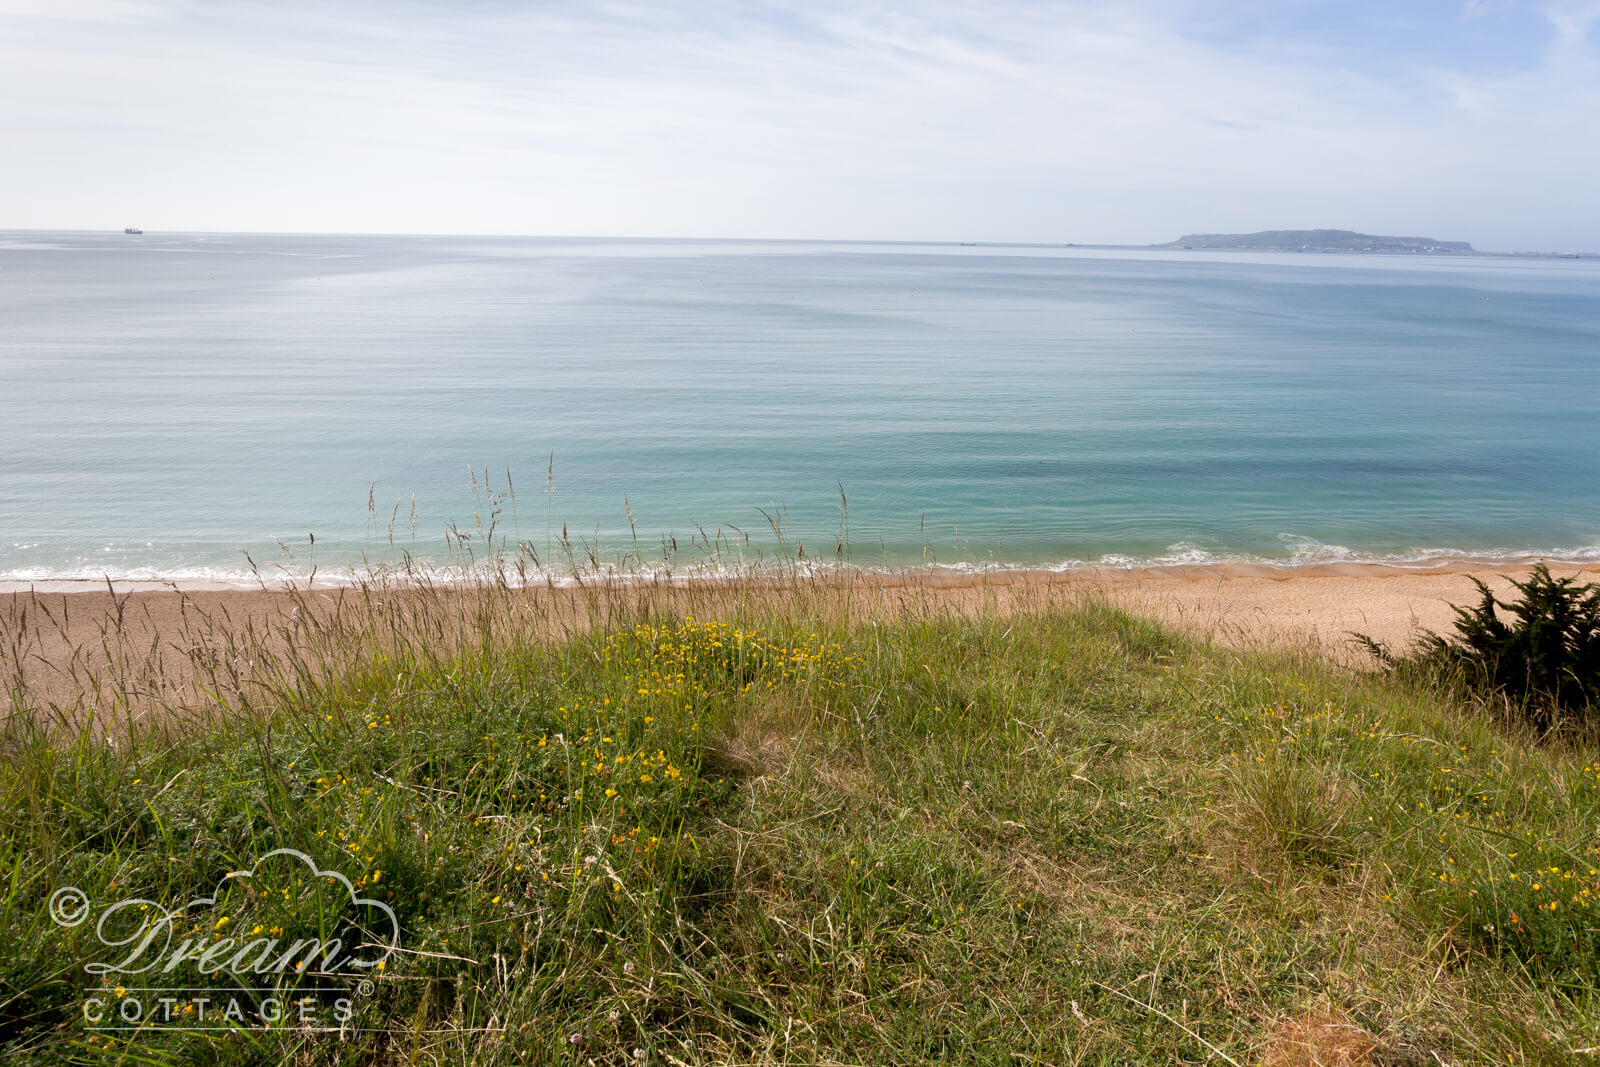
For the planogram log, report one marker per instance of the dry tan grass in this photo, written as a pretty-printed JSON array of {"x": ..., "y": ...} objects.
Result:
[
  {"x": 97, "y": 655},
  {"x": 1319, "y": 1041}
]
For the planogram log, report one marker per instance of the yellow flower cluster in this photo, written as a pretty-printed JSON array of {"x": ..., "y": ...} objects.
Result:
[{"x": 692, "y": 657}]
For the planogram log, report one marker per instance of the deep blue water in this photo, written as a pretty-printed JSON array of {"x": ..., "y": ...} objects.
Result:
[{"x": 173, "y": 402}]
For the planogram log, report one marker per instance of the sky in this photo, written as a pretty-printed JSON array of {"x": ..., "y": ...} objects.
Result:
[{"x": 1081, "y": 121}]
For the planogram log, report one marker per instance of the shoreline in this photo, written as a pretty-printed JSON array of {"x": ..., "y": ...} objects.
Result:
[{"x": 939, "y": 575}]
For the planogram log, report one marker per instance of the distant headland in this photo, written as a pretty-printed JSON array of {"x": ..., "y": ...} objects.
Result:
[
  {"x": 1316, "y": 241},
  {"x": 1335, "y": 241}
]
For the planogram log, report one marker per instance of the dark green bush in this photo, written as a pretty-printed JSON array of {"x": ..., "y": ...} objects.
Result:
[{"x": 1543, "y": 655}]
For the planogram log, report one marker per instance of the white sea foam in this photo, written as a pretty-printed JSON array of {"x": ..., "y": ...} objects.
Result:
[{"x": 1300, "y": 551}]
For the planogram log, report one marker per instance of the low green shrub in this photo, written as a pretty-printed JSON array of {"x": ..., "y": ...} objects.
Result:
[{"x": 1544, "y": 658}]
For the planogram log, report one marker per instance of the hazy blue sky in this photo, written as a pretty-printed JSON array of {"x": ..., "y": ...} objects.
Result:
[{"x": 926, "y": 119}]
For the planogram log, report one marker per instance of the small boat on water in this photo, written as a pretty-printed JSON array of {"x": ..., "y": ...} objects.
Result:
[{"x": 133, "y": 230}]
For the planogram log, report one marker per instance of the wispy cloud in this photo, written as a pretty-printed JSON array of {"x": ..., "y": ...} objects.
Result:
[
  {"x": 106, "y": 11},
  {"x": 1085, "y": 121}
]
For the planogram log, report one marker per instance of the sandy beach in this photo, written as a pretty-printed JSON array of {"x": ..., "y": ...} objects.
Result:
[{"x": 67, "y": 640}]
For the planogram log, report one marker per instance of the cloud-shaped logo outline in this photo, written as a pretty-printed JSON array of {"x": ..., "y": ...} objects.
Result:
[{"x": 316, "y": 872}]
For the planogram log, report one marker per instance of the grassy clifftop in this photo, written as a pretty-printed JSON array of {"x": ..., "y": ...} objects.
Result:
[{"x": 774, "y": 836}]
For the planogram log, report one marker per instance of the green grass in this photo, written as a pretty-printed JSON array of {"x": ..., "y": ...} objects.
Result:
[{"x": 1060, "y": 836}]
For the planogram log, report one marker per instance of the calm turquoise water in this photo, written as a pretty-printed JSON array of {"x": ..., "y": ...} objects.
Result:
[{"x": 173, "y": 402}]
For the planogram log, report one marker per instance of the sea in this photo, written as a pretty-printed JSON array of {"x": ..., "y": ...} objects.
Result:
[{"x": 237, "y": 408}]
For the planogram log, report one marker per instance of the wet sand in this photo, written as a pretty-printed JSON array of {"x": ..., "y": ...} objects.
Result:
[{"x": 59, "y": 638}]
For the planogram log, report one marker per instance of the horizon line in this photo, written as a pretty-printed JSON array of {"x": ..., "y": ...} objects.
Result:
[{"x": 931, "y": 242}]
